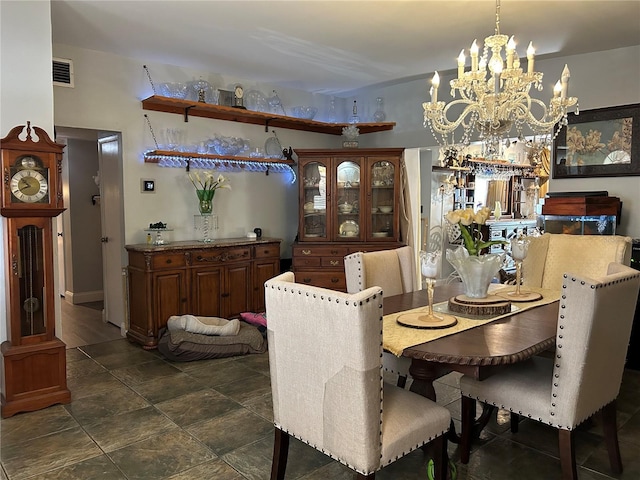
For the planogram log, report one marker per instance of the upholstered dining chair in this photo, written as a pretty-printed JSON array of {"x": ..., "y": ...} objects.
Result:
[
  {"x": 326, "y": 382},
  {"x": 395, "y": 272},
  {"x": 584, "y": 375},
  {"x": 552, "y": 254}
]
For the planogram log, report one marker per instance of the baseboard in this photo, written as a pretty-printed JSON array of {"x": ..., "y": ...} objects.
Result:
[{"x": 84, "y": 297}]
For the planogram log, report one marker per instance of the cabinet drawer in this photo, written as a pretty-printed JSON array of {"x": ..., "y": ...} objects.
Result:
[
  {"x": 331, "y": 280},
  {"x": 312, "y": 251},
  {"x": 306, "y": 261},
  {"x": 332, "y": 262},
  {"x": 206, "y": 257},
  {"x": 264, "y": 251},
  {"x": 169, "y": 260}
]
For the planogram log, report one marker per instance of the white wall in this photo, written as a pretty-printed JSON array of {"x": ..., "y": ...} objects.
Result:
[
  {"x": 108, "y": 95},
  {"x": 26, "y": 93}
]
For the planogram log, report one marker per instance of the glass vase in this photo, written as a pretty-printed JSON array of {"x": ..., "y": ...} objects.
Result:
[
  {"x": 205, "y": 200},
  {"x": 379, "y": 115},
  {"x": 476, "y": 272}
]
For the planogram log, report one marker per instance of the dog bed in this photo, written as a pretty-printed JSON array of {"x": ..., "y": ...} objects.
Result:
[{"x": 183, "y": 346}]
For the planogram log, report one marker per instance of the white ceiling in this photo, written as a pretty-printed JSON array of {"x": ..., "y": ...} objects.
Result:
[{"x": 335, "y": 46}]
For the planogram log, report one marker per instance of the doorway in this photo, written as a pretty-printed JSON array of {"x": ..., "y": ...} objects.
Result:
[{"x": 91, "y": 229}]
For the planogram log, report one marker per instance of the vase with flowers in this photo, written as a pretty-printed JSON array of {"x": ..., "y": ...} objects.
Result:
[
  {"x": 475, "y": 268},
  {"x": 206, "y": 185}
]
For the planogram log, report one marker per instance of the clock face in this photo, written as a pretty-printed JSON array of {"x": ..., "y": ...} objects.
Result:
[
  {"x": 239, "y": 91},
  {"x": 29, "y": 186}
]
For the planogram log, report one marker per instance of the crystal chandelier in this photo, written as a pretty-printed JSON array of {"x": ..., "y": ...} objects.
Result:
[{"x": 494, "y": 98}]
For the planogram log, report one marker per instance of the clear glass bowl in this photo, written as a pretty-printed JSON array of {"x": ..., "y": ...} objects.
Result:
[
  {"x": 172, "y": 90},
  {"x": 304, "y": 112}
]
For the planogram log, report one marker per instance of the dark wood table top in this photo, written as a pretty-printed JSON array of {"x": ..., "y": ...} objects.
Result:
[{"x": 508, "y": 340}]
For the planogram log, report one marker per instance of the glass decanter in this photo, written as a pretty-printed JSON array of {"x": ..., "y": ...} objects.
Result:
[{"x": 379, "y": 115}]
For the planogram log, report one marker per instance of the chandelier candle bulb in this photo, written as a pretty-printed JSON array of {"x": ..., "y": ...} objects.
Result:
[
  {"x": 530, "y": 54},
  {"x": 565, "y": 81},
  {"x": 435, "y": 81},
  {"x": 557, "y": 89},
  {"x": 511, "y": 47},
  {"x": 461, "y": 60},
  {"x": 474, "y": 56}
]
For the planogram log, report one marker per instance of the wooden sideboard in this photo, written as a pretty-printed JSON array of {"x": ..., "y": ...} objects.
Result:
[{"x": 220, "y": 279}]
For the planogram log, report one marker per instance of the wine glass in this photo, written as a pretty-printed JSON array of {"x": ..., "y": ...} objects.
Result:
[
  {"x": 519, "y": 250},
  {"x": 429, "y": 264}
]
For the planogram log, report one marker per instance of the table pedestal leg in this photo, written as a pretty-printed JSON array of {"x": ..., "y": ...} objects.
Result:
[{"x": 424, "y": 373}]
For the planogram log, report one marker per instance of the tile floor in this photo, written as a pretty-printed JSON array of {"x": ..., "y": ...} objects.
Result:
[{"x": 136, "y": 416}]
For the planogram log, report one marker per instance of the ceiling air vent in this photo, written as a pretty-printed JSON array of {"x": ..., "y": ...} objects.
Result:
[{"x": 62, "y": 72}]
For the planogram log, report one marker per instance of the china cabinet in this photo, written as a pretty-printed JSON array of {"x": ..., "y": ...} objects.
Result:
[
  {"x": 222, "y": 278},
  {"x": 349, "y": 201}
]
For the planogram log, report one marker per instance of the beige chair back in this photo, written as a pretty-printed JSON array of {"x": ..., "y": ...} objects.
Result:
[
  {"x": 551, "y": 255},
  {"x": 327, "y": 380},
  {"x": 594, "y": 326},
  {"x": 392, "y": 270}
]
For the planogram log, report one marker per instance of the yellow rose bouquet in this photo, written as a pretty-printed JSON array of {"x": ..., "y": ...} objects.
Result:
[{"x": 469, "y": 223}]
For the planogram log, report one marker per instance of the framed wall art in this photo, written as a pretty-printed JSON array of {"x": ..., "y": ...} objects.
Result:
[{"x": 603, "y": 142}]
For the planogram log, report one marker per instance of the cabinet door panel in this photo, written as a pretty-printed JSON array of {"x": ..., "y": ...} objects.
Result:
[
  {"x": 263, "y": 271},
  {"x": 170, "y": 291},
  {"x": 237, "y": 294},
  {"x": 206, "y": 289}
]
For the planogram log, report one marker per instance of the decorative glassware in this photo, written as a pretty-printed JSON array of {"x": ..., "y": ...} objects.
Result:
[
  {"x": 205, "y": 201},
  {"x": 207, "y": 224},
  {"x": 519, "y": 250},
  {"x": 379, "y": 115},
  {"x": 476, "y": 272},
  {"x": 429, "y": 265}
]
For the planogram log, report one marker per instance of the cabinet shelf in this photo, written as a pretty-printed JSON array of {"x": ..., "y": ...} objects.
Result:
[{"x": 190, "y": 108}]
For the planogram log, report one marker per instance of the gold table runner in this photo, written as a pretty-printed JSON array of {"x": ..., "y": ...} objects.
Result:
[{"x": 395, "y": 337}]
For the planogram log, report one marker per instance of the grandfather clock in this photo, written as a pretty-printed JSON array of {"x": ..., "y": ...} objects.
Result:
[{"x": 33, "y": 359}]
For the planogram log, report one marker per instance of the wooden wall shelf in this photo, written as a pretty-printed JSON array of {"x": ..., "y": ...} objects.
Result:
[{"x": 269, "y": 120}]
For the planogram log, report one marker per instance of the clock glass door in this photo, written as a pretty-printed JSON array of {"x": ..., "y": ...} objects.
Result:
[{"x": 31, "y": 274}]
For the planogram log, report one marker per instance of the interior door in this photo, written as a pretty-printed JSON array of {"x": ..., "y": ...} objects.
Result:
[{"x": 113, "y": 252}]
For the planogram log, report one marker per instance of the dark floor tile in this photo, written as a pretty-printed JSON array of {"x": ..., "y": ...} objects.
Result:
[
  {"x": 81, "y": 368},
  {"x": 96, "y": 468},
  {"x": 254, "y": 460},
  {"x": 211, "y": 363},
  {"x": 118, "y": 399},
  {"x": 154, "y": 370},
  {"x": 42, "y": 454},
  {"x": 246, "y": 389},
  {"x": 88, "y": 385},
  {"x": 170, "y": 387},
  {"x": 161, "y": 456},
  {"x": 107, "y": 348},
  {"x": 197, "y": 407},
  {"x": 24, "y": 427},
  {"x": 262, "y": 406},
  {"x": 73, "y": 355},
  {"x": 213, "y": 470},
  {"x": 630, "y": 454},
  {"x": 124, "y": 359},
  {"x": 226, "y": 373},
  {"x": 230, "y": 431},
  {"x": 114, "y": 432},
  {"x": 629, "y": 431},
  {"x": 333, "y": 470},
  {"x": 257, "y": 362}
]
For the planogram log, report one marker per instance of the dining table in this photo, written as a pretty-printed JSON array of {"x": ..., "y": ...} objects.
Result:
[{"x": 478, "y": 351}]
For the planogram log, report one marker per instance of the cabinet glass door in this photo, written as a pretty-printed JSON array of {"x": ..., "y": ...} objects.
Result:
[
  {"x": 314, "y": 181},
  {"x": 383, "y": 186},
  {"x": 348, "y": 200}
]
